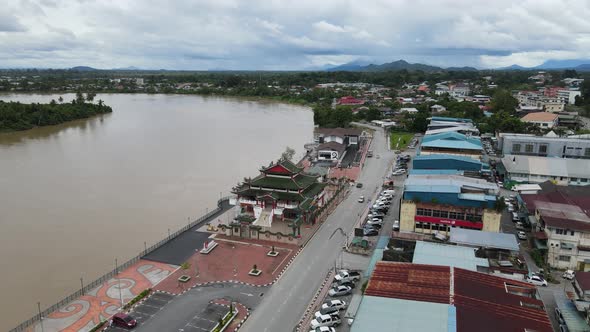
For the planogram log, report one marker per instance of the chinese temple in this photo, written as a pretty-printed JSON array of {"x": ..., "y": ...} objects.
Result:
[{"x": 282, "y": 193}]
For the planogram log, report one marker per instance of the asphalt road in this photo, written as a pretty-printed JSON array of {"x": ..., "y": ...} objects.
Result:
[
  {"x": 287, "y": 299},
  {"x": 182, "y": 313}
]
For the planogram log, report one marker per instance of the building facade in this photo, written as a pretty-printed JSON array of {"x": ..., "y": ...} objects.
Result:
[
  {"x": 529, "y": 169},
  {"x": 438, "y": 203},
  {"x": 543, "y": 146}
]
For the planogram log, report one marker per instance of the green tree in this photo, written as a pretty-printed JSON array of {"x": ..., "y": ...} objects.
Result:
[
  {"x": 288, "y": 154},
  {"x": 502, "y": 100},
  {"x": 80, "y": 97},
  {"x": 90, "y": 96},
  {"x": 60, "y": 99}
]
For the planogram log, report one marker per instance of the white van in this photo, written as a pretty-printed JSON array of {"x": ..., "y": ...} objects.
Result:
[
  {"x": 515, "y": 216},
  {"x": 389, "y": 192}
]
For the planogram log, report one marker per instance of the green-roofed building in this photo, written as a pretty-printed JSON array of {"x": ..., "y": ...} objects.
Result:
[{"x": 282, "y": 192}]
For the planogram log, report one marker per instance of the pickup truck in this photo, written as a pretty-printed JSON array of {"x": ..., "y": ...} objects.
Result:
[{"x": 344, "y": 275}]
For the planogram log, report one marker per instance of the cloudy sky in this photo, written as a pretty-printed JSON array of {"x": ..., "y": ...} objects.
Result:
[{"x": 290, "y": 34}]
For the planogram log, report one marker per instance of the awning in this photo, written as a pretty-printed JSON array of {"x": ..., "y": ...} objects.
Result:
[{"x": 540, "y": 244}]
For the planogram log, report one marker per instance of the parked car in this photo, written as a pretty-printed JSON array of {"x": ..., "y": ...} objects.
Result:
[
  {"x": 332, "y": 312},
  {"x": 361, "y": 199},
  {"x": 340, "y": 291},
  {"x": 559, "y": 316},
  {"x": 396, "y": 225},
  {"x": 346, "y": 275},
  {"x": 324, "y": 320},
  {"x": 375, "y": 222},
  {"x": 399, "y": 172},
  {"x": 536, "y": 280},
  {"x": 521, "y": 235},
  {"x": 515, "y": 216},
  {"x": 124, "y": 320},
  {"x": 370, "y": 231},
  {"x": 563, "y": 328},
  {"x": 376, "y": 215},
  {"x": 359, "y": 185},
  {"x": 324, "y": 329},
  {"x": 569, "y": 274},
  {"x": 519, "y": 225},
  {"x": 341, "y": 305},
  {"x": 389, "y": 192},
  {"x": 326, "y": 311},
  {"x": 344, "y": 283}
]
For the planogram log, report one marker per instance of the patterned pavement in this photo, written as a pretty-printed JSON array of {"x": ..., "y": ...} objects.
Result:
[
  {"x": 103, "y": 301},
  {"x": 231, "y": 261}
]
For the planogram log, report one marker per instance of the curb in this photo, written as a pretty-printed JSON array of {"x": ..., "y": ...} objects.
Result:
[
  {"x": 240, "y": 323},
  {"x": 312, "y": 304}
]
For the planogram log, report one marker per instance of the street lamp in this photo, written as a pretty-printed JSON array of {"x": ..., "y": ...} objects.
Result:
[
  {"x": 40, "y": 317},
  {"x": 118, "y": 282}
]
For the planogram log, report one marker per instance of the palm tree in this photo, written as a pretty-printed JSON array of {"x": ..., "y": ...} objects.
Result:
[{"x": 60, "y": 99}]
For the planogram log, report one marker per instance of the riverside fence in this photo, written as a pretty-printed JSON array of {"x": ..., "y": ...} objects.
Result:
[{"x": 107, "y": 276}]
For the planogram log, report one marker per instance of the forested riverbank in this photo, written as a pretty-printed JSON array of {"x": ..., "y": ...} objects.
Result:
[{"x": 16, "y": 116}]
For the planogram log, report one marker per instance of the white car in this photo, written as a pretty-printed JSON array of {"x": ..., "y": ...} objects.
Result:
[
  {"x": 361, "y": 199},
  {"x": 340, "y": 291},
  {"x": 324, "y": 320},
  {"x": 389, "y": 192},
  {"x": 396, "y": 225},
  {"x": 341, "y": 305},
  {"x": 521, "y": 235},
  {"x": 536, "y": 280},
  {"x": 323, "y": 329},
  {"x": 399, "y": 172}
]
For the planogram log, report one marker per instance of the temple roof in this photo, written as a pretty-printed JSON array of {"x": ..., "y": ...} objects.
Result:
[
  {"x": 283, "y": 167},
  {"x": 300, "y": 181}
]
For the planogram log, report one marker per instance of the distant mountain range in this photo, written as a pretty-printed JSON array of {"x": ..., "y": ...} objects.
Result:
[
  {"x": 579, "y": 65},
  {"x": 394, "y": 66},
  {"x": 364, "y": 66}
]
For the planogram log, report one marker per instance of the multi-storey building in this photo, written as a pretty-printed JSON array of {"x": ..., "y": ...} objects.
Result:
[
  {"x": 530, "y": 169},
  {"x": 452, "y": 143},
  {"x": 561, "y": 214},
  {"x": 544, "y": 146},
  {"x": 441, "y": 202}
]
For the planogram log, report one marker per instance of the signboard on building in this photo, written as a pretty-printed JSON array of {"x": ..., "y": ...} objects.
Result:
[{"x": 449, "y": 222}]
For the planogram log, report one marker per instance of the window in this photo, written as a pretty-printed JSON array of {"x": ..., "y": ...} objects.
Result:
[
  {"x": 543, "y": 149},
  {"x": 559, "y": 231},
  {"x": 587, "y": 152},
  {"x": 572, "y": 233},
  {"x": 515, "y": 147},
  {"x": 418, "y": 225},
  {"x": 453, "y": 215},
  {"x": 428, "y": 212},
  {"x": 420, "y": 211},
  {"x": 528, "y": 148},
  {"x": 564, "y": 258},
  {"x": 436, "y": 213}
]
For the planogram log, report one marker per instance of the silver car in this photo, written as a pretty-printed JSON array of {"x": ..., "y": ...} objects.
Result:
[{"x": 340, "y": 291}]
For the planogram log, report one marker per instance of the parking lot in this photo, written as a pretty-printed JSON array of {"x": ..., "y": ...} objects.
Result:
[
  {"x": 206, "y": 319},
  {"x": 148, "y": 309}
]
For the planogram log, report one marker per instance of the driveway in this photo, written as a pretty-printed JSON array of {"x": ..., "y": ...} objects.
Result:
[{"x": 287, "y": 299}]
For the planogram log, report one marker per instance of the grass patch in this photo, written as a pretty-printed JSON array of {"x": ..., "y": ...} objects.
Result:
[{"x": 400, "y": 140}]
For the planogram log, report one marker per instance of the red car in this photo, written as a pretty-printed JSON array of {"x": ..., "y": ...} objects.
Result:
[{"x": 124, "y": 320}]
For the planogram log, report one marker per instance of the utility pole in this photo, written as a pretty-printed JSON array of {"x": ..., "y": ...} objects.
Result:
[{"x": 82, "y": 285}]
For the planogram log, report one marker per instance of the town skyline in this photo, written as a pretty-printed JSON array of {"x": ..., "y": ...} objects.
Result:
[{"x": 229, "y": 35}]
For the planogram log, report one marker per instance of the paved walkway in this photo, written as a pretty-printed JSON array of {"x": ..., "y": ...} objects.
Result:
[
  {"x": 230, "y": 261},
  {"x": 103, "y": 301}
]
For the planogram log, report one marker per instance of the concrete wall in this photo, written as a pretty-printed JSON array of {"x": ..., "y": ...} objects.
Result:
[
  {"x": 491, "y": 221},
  {"x": 407, "y": 214},
  {"x": 555, "y": 147}
]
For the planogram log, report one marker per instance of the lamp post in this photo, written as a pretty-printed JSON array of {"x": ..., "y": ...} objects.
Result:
[
  {"x": 82, "y": 284},
  {"x": 118, "y": 282},
  {"x": 40, "y": 317}
]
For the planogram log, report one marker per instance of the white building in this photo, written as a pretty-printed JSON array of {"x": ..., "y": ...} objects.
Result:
[
  {"x": 562, "y": 171},
  {"x": 568, "y": 96}
]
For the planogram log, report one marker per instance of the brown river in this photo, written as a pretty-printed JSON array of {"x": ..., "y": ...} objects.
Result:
[{"x": 74, "y": 197}]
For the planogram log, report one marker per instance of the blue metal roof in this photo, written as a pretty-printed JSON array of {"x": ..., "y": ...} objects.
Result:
[
  {"x": 452, "y": 140},
  {"x": 442, "y": 157},
  {"x": 484, "y": 239},
  {"x": 444, "y": 118},
  {"x": 436, "y": 171}
]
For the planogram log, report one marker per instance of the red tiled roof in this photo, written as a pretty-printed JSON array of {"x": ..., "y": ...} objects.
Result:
[
  {"x": 483, "y": 304},
  {"x": 583, "y": 279},
  {"x": 417, "y": 282}
]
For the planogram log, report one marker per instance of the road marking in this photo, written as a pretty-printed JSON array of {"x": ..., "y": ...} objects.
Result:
[{"x": 247, "y": 294}]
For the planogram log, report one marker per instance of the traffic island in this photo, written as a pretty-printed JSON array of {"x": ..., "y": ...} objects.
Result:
[
  {"x": 272, "y": 252},
  {"x": 255, "y": 271},
  {"x": 184, "y": 278}
]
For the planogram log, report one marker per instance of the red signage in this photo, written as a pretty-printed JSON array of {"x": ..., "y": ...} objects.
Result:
[{"x": 450, "y": 222}]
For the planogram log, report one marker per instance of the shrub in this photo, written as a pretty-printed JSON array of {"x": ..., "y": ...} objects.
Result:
[
  {"x": 254, "y": 268},
  {"x": 98, "y": 327},
  {"x": 137, "y": 298}
]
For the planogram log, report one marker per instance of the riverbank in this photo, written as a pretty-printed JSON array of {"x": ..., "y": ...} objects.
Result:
[{"x": 16, "y": 116}]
